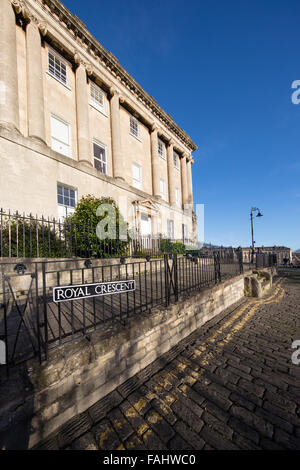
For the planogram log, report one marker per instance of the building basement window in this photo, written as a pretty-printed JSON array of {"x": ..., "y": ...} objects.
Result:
[
  {"x": 100, "y": 157},
  {"x": 66, "y": 199},
  {"x": 57, "y": 67}
]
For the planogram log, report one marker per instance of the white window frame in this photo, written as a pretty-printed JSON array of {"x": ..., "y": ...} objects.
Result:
[
  {"x": 163, "y": 188},
  {"x": 134, "y": 122},
  {"x": 162, "y": 152},
  {"x": 69, "y": 209},
  {"x": 93, "y": 101},
  {"x": 104, "y": 147},
  {"x": 176, "y": 158},
  {"x": 138, "y": 184},
  {"x": 60, "y": 59},
  {"x": 63, "y": 121}
]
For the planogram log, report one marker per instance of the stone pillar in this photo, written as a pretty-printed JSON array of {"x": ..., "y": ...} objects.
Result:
[
  {"x": 9, "y": 101},
  {"x": 171, "y": 179},
  {"x": 189, "y": 181},
  {"x": 35, "y": 90},
  {"x": 155, "y": 162},
  {"x": 184, "y": 189},
  {"x": 117, "y": 156},
  {"x": 82, "y": 107}
]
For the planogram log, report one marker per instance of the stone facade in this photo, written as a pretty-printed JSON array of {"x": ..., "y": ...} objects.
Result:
[{"x": 70, "y": 115}]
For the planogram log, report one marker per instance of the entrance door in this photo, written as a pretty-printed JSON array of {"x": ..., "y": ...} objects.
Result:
[{"x": 146, "y": 225}]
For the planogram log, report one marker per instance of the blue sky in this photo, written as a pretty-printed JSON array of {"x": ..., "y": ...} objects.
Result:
[{"x": 223, "y": 70}]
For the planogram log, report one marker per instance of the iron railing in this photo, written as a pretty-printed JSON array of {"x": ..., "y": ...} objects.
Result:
[
  {"x": 32, "y": 324},
  {"x": 31, "y": 236}
]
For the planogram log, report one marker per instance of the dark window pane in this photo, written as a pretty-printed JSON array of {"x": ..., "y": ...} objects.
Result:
[{"x": 60, "y": 199}]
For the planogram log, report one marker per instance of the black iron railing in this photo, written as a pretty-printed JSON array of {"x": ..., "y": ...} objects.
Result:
[
  {"x": 32, "y": 324},
  {"x": 30, "y": 236}
]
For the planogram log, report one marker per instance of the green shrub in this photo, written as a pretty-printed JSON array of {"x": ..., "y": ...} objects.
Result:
[
  {"x": 167, "y": 246},
  {"x": 82, "y": 225}
]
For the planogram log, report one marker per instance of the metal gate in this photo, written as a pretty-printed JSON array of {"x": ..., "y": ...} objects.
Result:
[{"x": 20, "y": 317}]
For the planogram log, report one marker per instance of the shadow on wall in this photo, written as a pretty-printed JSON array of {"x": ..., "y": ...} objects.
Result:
[{"x": 15, "y": 425}]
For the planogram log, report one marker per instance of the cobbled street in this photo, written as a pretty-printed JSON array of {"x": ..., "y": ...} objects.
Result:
[{"x": 229, "y": 385}]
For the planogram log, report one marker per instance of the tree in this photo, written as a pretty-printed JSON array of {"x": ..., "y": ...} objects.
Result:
[{"x": 83, "y": 228}]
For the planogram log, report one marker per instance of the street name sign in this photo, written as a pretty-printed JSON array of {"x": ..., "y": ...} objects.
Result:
[{"x": 83, "y": 291}]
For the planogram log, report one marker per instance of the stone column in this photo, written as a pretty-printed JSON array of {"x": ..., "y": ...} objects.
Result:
[
  {"x": 35, "y": 90},
  {"x": 171, "y": 179},
  {"x": 155, "y": 162},
  {"x": 82, "y": 108},
  {"x": 9, "y": 101},
  {"x": 184, "y": 189},
  {"x": 189, "y": 180},
  {"x": 117, "y": 156}
]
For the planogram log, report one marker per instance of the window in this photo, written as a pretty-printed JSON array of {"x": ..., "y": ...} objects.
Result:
[
  {"x": 161, "y": 149},
  {"x": 184, "y": 233},
  {"x": 163, "y": 189},
  {"x": 60, "y": 136},
  {"x": 170, "y": 229},
  {"x": 177, "y": 194},
  {"x": 66, "y": 199},
  {"x": 100, "y": 158},
  {"x": 176, "y": 160},
  {"x": 134, "y": 127},
  {"x": 57, "y": 67},
  {"x": 97, "y": 97},
  {"x": 137, "y": 176}
]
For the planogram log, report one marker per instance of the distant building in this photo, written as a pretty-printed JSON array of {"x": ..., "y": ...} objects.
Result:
[{"x": 282, "y": 253}]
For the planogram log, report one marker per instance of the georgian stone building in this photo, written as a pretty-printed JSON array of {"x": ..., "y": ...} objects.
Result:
[{"x": 74, "y": 122}]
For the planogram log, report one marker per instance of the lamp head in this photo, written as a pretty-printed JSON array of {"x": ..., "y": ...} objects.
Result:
[{"x": 259, "y": 214}]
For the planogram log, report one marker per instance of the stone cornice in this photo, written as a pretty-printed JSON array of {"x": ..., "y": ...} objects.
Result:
[
  {"x": 21, "y": 7},
  {"x": 86, "y": 40}
]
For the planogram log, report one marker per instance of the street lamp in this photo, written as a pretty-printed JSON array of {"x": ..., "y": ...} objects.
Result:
[{"x": 259, "y": 214}]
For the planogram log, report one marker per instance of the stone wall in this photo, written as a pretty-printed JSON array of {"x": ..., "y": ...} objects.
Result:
[{"x": 81, "y": 373}]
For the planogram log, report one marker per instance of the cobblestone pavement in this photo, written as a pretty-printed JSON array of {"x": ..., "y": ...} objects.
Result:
[{"x": 229, "y": 385}]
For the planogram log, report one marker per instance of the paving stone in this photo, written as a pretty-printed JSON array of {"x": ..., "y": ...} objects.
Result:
[
  {"x": 177, "y": 443},
  {"x": 85, "y": 442},
  {"x": 186, "y": 415},
  {"x": 100, "y": 409},
  {"x": 286, "y": 440},
  {"x": 129, "y": 386},
  {"x": 105, "y": 436},
  {"x": 216, "y": 440},
  {"x": 134, "y": 443},
  {"x": 159, "y": 425},
  {"x": 217, "y": 425},
  {"x": 190, "y": 436},
  {"x": 120, "y": 424},
  {"x": 264, "y": 428},
  {"x": 241, "y": 428},
  {"x": 152, "y": 441},
  {"x": 73, "y": 429},
  {"x": 133, "y": 417}
]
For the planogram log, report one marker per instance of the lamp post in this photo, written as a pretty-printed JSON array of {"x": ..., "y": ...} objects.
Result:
[{"x": 259, "y": 214}]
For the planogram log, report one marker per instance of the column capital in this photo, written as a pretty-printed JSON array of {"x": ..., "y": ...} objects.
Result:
[
  {"x": 185, "y": 155},
  {"x": 171, "y": 142},
  {"x": 79, "y": 60},
  {"x": 154, "y": 127}
]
